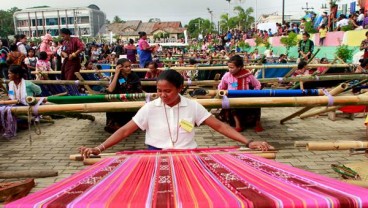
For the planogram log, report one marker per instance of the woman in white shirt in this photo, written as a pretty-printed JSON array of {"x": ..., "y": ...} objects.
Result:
[{"x": 169, "y": 121}]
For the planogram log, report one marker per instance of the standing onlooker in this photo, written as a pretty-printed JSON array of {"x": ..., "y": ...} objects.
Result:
[
  {"x": 322, "y": 34},
  {"x": 131, "y": 51},
  {"x": 145, "y": 55},
  {"x": 4, "y": 50},
  {"x": 31, "y": 61},
  {"x": 21, "y": 41},
  {"x": 46, "y": 46},
  {"x": 306, "y": 47},
  {"x": 360, "y": 18},
  {"x": 71, "y": 49}
]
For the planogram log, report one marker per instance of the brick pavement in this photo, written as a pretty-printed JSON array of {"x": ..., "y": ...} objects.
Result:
[{"x": 52, "y": 148}]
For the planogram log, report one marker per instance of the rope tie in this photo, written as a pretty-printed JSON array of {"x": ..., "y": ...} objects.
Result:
[
  {"x": 34, "y": 113},
  {"x": 189, "y": 81},
  {"x": 330, "y": 98},
  {"x": 280, "y": 79},
  {"x": 225, "y": 102},
  {"x": 76, "y": 82},
  {"x": 8, "y": 122},
  {"x": 316, "y": 77}
]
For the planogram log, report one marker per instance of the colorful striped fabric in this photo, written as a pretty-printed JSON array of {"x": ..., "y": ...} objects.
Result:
[{"x": 195, "y": 179}]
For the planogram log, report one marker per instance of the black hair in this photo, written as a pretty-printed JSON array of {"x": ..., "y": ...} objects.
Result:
[
  {"x": 131, "y": 41},
  {"x": 17, "y": 69},
  {"x": 141, "y": 34},
  {"x": 31, "y": 49},
  {"x": 173, "y": 77},
  {"x": 306, "y": 34},
  {"x": 65, "y": 31},
  {"x": 366, "y": 33},
  {"x": 237, "y": 61},
  {"x": 302, "y": 64},
  {"x": 192, "y": 61},
  {"x": 122, "y": 61},
  {"x": 363, "y": 62},
  {"x": 13, "y": 47},
  {"x": 323, "y": 59},
  {"x": 18, "y": 37},
  {"x": 5, "y": 42},
  {"x": 154, "y": 63},
  {"x": 98, "y": 66},
  {"x": 43, "y": 55}
]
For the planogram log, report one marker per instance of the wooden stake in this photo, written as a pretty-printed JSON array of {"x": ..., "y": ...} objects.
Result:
[{"x": 340, "y": 145}]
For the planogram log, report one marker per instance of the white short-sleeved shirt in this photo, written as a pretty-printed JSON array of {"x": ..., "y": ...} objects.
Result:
[{"x": 151, "y": 118}]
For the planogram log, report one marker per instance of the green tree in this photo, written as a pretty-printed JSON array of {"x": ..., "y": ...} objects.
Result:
[
  {"x": 289, "y": 41},
  {"x": 227, "y": 23},
  {"x": 199, "y": 26},
  {"x": 117, "y": 19},
  {"x": 7, "y": 22},
  {"x": 244, "y": 18}
]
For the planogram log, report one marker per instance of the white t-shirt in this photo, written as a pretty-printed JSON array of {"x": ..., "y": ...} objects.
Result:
[
  {"x": 343, "y": 22},
  {"x": 360, "y": 17},
  {"x": 151, "y": 118}
]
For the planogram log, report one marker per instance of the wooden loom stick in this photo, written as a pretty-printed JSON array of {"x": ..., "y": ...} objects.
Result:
[
  {"x": 28, "y": 174},
  {"x": 339, "y": 145}
]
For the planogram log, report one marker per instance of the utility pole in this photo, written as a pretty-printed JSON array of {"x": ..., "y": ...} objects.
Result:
[
  {"x": 307, "y": 8},
  {"x": 228, "y": 16},
  {"x": 211, "y": 14},
  {"x": 283, "y": 11}
]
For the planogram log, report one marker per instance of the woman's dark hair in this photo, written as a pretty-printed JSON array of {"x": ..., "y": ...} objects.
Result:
[
  {"x": 122, "y": 61},
  {"x": 99, "y": 67},
  {"x": 5, "y": 42},
  {"x": 192, "y": 61},
  {"x": 16, "y": 69},
  {"x": 173, "y": 77},
  {"x": 237, "y": 61},
  {"x": 65, "y": 31},
  {"x": 18, "y": 37},
  {"x": 141, "y": 34},
  {"x": 306, "y": 34},
  {"x": 43, "y": 55},
  {"x": 13, "y": 47},
  {"x": 322, "y": 60},
  {"x": 363, "y": 62},
  {"x": 154, "y": 63},
  {"x": 302, "y": 64},
  {"x": 131, "y": 41},
  {"x": 366, "y": 33}
]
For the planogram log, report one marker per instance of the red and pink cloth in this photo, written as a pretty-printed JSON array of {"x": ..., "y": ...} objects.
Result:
[{"x": 200, "y": 178}]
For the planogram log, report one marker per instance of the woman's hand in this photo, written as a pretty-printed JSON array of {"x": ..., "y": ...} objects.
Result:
[
  {"x": 86, "y": 152},
  {"x": 264, "y": 146}
]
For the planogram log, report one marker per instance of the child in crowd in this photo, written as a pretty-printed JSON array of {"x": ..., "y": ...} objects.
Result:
[
  {"x": 302, "y": 69},
  {"x": 42, "y": 65},
  {"x": 322, "y": 69},
  {"x": 322, "y": 34},
  {"x": 31, "y": 61},
  {"x": 239, "y": 78}
]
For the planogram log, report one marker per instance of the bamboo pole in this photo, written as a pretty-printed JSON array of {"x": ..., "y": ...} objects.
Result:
[
  {"x": 208, "y": 103},
  {"x": 339, "y": 145},
  {"x": 322, "y": 110},
  {"x": 211, "y": 82},
  {"x": 266, "y": 155},
  {"x": 9, "y": 102},
  {"x": 28, "y": 174},
  {"x": 300, "y": 143},
  {"x": 337, "y": 90},
  {"x": 200, "y": 68}
]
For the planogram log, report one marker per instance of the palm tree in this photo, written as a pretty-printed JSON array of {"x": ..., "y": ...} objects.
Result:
[{"x": 244, "y": 18}]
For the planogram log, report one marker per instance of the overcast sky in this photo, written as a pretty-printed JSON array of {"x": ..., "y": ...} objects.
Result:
[{"x": 174, "y": 10}]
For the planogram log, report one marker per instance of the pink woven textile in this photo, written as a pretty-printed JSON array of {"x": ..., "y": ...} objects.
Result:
[{"x": 201, "y": 178}]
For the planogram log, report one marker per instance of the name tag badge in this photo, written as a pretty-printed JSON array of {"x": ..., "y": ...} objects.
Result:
[
  {"x": 122, "y": 81},
  {"x": 11, "y": 92},
  {"x": 186, "y": 125},
  {"x": 234, "y": 84}
]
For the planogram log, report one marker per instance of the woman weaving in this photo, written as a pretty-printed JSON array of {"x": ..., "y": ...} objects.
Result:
[{"x": 169, "y": 121}]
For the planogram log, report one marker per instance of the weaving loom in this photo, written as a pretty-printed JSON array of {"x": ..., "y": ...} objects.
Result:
[{"x": 199, "y": 178}]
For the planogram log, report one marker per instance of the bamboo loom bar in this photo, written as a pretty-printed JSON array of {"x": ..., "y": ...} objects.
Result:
[
  {"x": 266, "y": 155},
  {"x": 322, "y": 110},
  {"x": 337, "y": 90},
  {"x": 208, "y": 103},
  {"x": 363, "y": 184},
  {"x": 189, "y": 68},
  {"x": 212, "y": 82},
  {"x": 339, "y": 145},
  {"x": 94, "y": 98},
  {"x": 9, "y": 102}
]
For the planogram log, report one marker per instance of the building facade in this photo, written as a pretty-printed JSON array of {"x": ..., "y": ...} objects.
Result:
[{"x": 82, "y": 21}]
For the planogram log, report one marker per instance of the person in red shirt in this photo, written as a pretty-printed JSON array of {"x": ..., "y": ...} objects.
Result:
[{"x": 153, "y": 71}]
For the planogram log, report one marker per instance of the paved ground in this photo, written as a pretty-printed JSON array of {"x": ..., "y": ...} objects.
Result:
[{"x": 51, "y": 149}]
